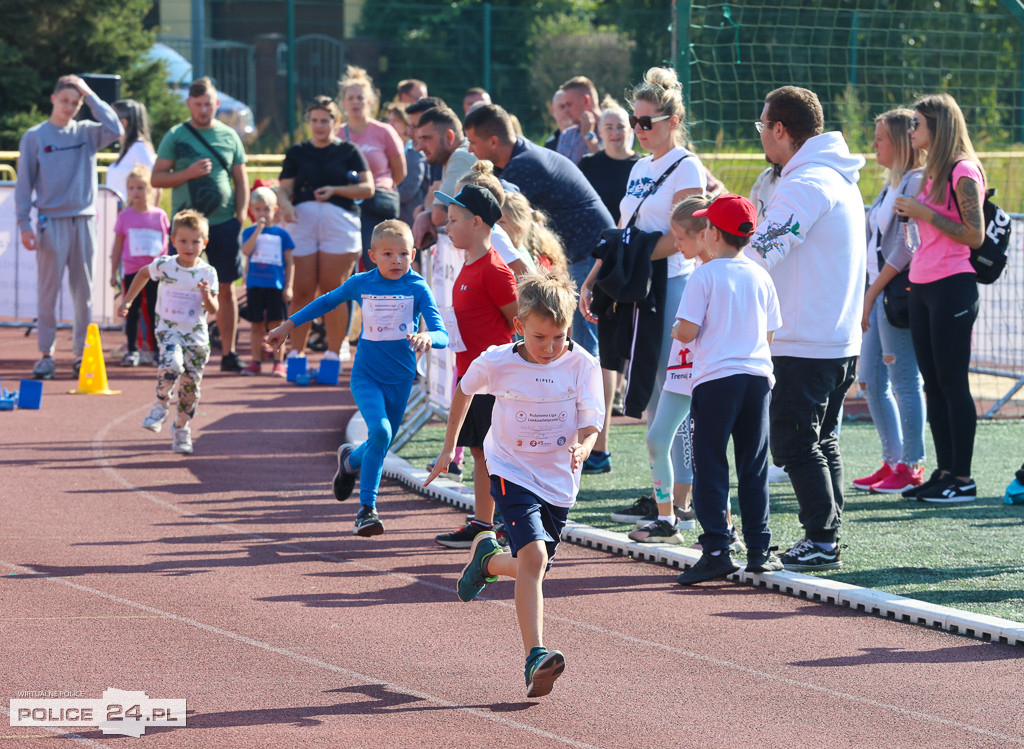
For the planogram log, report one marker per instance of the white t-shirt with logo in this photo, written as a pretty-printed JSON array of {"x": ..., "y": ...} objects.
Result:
[
  {"x": 733, "y": 300},
  {"x": 679, "y": 376},
  {"x": 181, "y": 318},
  {"x": 538, "y": 409},
  {"x": 656, "y": 211}
]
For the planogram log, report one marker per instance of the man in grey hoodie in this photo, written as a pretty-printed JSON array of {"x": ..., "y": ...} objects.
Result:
[
  {"x": 812, "y": 242},
  {"x": 57, "y": 160}
]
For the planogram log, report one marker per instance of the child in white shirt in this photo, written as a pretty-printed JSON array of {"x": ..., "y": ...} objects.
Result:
[
  {"x": 549, "y": 408},
  {"x": 729, "y": 312}
]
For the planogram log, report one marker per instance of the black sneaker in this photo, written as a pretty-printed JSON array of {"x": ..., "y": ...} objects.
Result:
[
  {"x": 598, "y": 463},
  {"x": 501, "y": 534},
  {"x": 763, "y": 560},
  {"x": 463, "y": 537},
  {"x": 934, "y": 479},
  {"x": 709, "y": 566},
  {"x": 231, "y": 363},
  {"x": 806, "y": 555},
  {"x": 950, "y": 490},
  {"x": 657, "y": 532},
  {"x": 454, "y": 469},
  {"x": 344, "y": 480},
  {"x": 368, "y": 522},
  {"x": 686, "y": 520},
  {"x": 638, "y": 511}
]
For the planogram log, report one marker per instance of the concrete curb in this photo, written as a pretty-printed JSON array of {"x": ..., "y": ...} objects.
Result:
[{"x": 879, "y": 603}]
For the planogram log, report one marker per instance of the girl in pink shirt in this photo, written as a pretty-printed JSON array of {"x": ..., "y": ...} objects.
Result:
[{"x": 944, "y": 290}]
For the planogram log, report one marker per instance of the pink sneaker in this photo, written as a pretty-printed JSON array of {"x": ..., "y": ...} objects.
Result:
[
  {"x": 903, "y": 478},
  {"x": 254, "y": 368},
  {"x": 280, "y": 370},
  {"x": 867, "y": 482}
]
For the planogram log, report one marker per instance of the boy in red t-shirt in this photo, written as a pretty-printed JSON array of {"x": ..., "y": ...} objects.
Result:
[{"x": 484, "y": 300}]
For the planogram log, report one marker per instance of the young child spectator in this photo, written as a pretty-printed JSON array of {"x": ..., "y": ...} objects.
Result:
[
  {"x": 268, "y": 281},
  {"x": 482, "y": 175},
  {"x": 187, "y": 292},
  {"x": 484, "y": 302},
  {"x": 140, "y": 235},
  {"x": 527, "y": 228},
  {"x": 392, "y": 297},
  {"x": 550, "y": 401},
  {"x": 729, "y": 311}
]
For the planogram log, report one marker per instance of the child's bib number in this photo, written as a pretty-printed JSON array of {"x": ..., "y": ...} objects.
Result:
[
  {"x": 180, "y": 305},
  {"x": 455, "y": 343},
  {"x": 541, "y": 426},
  {"x": 679, "y": 377},
  {"x": 146, "y": 242},
  {"x": 268, "y": 250},
  {"x": 387, "y": 318}
]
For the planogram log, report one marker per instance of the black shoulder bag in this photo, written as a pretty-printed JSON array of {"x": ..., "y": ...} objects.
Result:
[{"x": 203, "y": 194}]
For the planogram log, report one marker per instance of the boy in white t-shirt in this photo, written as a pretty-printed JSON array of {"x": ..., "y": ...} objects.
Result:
[
  {"x": 729, "y": 311},
  {"x": 187, "y": 291},
  {"x": 549, "y": 408}
]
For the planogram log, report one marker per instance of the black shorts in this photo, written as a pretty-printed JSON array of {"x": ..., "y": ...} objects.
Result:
[
  {"x": 527, "y": 517},
  {"x": 264, "y": 305},
  {"x": 477, "y": 423},
  {"x": 223, "y": 251}
]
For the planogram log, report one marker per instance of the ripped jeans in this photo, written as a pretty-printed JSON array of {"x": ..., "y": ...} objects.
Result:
[{"x": 895, "y": 390}]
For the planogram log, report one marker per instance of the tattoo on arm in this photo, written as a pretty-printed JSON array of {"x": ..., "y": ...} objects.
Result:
[{"x": 970, "y": 213}]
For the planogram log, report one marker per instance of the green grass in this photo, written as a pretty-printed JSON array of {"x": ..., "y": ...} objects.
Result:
[{"x": 965, "y": 556}]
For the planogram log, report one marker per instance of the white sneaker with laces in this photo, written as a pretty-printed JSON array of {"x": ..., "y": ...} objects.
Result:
[
  {"x": 182, "y": 437},
  {"x": 157, "y": 416}
]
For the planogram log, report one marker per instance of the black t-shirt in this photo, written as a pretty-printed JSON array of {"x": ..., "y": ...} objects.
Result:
[
  {"x": 312, "y": 167},
  {"x": 609, "y": 177}
]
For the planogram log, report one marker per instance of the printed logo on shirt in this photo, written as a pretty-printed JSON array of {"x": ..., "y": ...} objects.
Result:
[
  {"x": 544, "y": 379},
  {"x": 685, "y": 360},
  {"x": 51, "y": 149},
  {"x": 769, "y": 240},
  {"x": 638, "y": 188}
]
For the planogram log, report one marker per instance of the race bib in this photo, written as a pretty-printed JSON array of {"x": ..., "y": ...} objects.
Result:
[
  {"x": 455, "y": 343},
  {"x": 387, "y": 318},
  {"x": 145, "y": 242},
  {"x": 679, "y": 377},
  {"x": 180, "y": 305},
  {"x": 540, "y": 426},
  {"x": 268, "y": 250}
]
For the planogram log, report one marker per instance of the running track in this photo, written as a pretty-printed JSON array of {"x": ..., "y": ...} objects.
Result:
[{"x": 230, "y": 578}]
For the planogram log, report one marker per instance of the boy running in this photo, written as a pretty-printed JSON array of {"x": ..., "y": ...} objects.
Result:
[{"x": 549, "y": 401}]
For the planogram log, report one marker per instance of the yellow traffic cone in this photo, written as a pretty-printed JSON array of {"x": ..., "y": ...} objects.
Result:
[{"x": 92, "y": 377}]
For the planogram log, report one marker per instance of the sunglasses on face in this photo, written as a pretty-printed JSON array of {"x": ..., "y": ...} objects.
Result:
[
  {"x": 916, "y": 123},
  {"x": 646, "y": 123}
]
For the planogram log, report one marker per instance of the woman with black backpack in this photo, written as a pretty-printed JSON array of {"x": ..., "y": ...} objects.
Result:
[{"x": 944, "y": 289}]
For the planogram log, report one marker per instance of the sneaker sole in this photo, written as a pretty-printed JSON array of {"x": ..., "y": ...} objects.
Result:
[
  {"x": 595, "y": 471},
  {"x": 761, "y": 568},
  {"x": 543, "y": 680},
  {"x": 154, "y": 427},
  {"x": 812, "y": 567},
  {"x": 674, "y": 539},
  {"x": 181, "y": 450},
  {"x": 898, "y": 490},
  {"x": 374, "y": 528},
  {"x": 343, "y": 483},
  {"x": 465, "y": 570},
  {"x": 454, "y": 544},
  {"x": 947, "y": 500},
  {"x": 864, "y": 487}
]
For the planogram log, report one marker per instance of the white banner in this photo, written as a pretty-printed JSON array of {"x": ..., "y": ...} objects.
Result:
[
  {"x": 18, "y": 280},
  {"x": 442, "y": 267}
]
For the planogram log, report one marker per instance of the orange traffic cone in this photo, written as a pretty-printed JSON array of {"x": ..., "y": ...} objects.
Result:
[{"x": 92, "y": 377}]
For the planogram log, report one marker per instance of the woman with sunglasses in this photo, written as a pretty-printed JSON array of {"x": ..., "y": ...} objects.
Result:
[
  {"x": 944, "y": 291},
  {"x": 659, "y": 123},
  {"x": 887, "y": 364}
]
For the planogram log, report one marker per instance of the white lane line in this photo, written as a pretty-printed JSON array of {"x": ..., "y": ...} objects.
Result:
[
  {"x": 61, "y": 733},
  {"x": 98, "y": 451}
]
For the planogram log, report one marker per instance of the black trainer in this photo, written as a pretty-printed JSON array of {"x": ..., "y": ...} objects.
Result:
[
  {"x": 231, "y": 363},
  {"x": 500, "y": 534},
  {"x": 763, "y": 560},
  {"x": 686, "y": 519},
  {"x": 805, "y": 555},
  {"x": 463, "y": 537},
  {"x": 709, "y": 566},
  {"x": 344, "y": 480},
  {"x": 950, "y": 490},
  {"x": 638, "y": 511},
  {"x": 934, "y": 479},
  {"x": 368, "y": 522}
]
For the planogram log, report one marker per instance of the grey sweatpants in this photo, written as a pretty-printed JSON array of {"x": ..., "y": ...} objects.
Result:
[{"x": 71, "y": 243}]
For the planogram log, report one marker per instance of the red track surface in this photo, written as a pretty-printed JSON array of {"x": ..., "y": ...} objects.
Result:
[{"x": 230, "y": 578}]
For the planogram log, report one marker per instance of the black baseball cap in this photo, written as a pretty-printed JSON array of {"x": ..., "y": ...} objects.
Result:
[{"x": 477, "y": 200}]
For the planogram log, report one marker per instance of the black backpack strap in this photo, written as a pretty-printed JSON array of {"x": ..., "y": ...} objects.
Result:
[
  {"x": 654, "y": 189},
  {"x": 211, "y": 149}
]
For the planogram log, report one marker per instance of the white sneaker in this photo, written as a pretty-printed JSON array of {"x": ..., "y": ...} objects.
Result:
[
  {"x": 346, "y": 351},
  {"x": 777, "y": 475},
  {"x": 157, "y": 416},
  {"x": 182, "y": 437},
  {"x": 295, "y": 354}
]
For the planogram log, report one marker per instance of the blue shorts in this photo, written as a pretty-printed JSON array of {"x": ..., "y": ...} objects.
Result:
[{"x": 527, "y": 517}]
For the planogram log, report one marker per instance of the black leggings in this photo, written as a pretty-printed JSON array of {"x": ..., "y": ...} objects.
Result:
[
  {"x": 942, "y": 315},
  {"x": 131, "y": 323}
]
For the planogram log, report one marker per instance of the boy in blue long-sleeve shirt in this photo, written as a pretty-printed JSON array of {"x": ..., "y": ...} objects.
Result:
[{"x": 392, "y": 298}]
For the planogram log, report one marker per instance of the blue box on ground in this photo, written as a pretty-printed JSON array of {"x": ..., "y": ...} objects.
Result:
[
  {"x": 31, "y": 394},
  {"x": 329, "y": 371},
  {"x": 296, "y": 367}
]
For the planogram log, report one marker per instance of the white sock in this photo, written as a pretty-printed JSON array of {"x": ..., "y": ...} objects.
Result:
[{"x": 670, "y": 519}]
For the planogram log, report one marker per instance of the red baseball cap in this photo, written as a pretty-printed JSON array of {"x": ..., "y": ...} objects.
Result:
[{"x": 731, "y": 213}]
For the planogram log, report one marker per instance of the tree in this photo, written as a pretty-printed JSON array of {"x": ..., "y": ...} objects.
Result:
[{"x": 41, "y": 41}]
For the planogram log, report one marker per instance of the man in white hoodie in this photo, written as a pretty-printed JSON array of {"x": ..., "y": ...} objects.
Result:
[{"x": 812, "y": 243}]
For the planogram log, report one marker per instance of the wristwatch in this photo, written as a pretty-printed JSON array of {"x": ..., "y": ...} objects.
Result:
[{"x": 590, "y": 136}]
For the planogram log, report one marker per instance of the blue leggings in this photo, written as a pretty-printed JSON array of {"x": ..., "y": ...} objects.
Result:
[{"x": 382, "y": 407}]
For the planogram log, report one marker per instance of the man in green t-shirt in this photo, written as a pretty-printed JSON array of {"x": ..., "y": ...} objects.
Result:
[{"x": 201, "y": 159}]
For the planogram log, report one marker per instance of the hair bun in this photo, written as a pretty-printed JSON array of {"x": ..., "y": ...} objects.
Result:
[{"x": 664, "y": 77}]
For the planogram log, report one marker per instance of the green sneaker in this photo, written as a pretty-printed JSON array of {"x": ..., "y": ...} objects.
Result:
[
  {"x": 543, "y": 666},
  {"x": 473, "y": 579}
]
